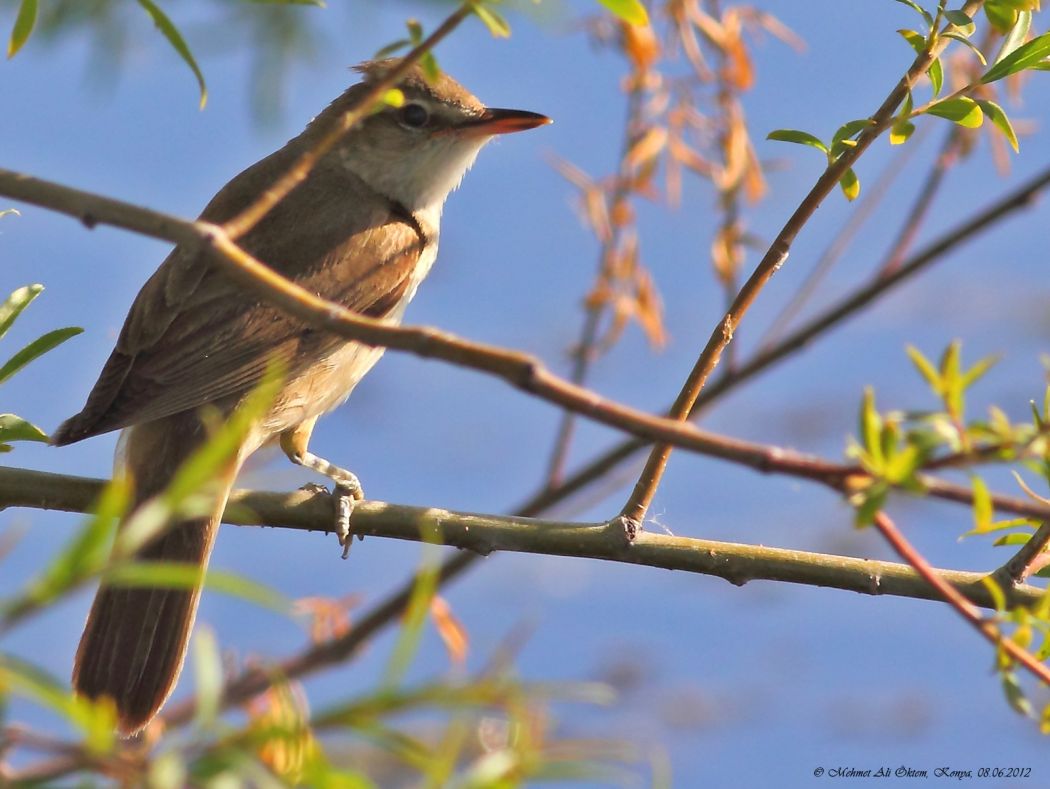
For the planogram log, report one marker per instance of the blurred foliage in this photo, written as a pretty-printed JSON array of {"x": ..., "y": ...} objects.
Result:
[{"x": 12, "y": 427}]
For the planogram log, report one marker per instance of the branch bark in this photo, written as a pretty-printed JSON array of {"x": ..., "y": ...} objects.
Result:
[{"x": 483, "y": 534}]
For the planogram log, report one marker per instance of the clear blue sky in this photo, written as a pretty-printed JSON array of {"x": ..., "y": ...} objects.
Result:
[{"x": 752, "y": 687}]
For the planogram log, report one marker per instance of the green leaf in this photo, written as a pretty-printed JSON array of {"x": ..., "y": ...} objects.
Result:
[
  {"x": 1025, "y": 56},
  {"x": 871, "y": 502},
  {"x": 391, "y": 48},
  {"x": 1017, "y": 538},
  {"x": 14, "y": 428},
  {"x": 870, "y": 429},
  {"x": 936, "y": 74},
  {"x": 15, "y": 303},
  {"x": 925, "y": 368},
  {"x": 914, "y": 38},
  {"x": 963, "y": 111},
  {"x": 969, "y": 44},
  {"x": 1015, "y": 695},
  {"x": 901, "y": 131},
  {"x": 24, "y": 23},
  {"x": 996, "y": 592},
  {"x": 35, "y": 349},
  {"x": 850, "y": 184},
  {"x": 1000, "y": 16},
  {"x": 174, "y": 37},
  {"x": 183, "y": 575},
  {"x": 423, "y": 591},
  {"x": 961, "y": 20},
  {"x": 1017, "y": 35},
  {"x": 982, "y": 506},
  {"x": 999, "y": 118},
  {"x": 493, "y": 20},
  {"x": 797, "y": 137},
  {"x": 207, "y": 669},
  {"x": 630, "y": 11},
  {"x": 977, "y": 372},
  {"x": 919, "y": 10}
]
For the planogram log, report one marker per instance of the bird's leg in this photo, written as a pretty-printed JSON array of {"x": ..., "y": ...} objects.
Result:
[{"x": 347, "y": 490}]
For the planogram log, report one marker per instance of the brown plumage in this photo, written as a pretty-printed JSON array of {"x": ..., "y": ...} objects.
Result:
[{"x": 361, "y": 231}]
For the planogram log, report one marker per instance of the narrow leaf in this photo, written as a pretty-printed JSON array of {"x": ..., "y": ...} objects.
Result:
[
  {"x": 798, "y": 137},
  {"x": 24, "y": 23},
  {"x": 35, "y": 349},
  {"x": 961, "y": 20},
  {"x": 1017, "y": 35},
  {"x": 850, "y": 184},
  {"x": 919, "y": 10},
  {"x": 15, "y": 303},
  {"x": 492, "y": 19},
  {"x": 969, "y": 44},
  {"x": 14, "y": 428},
  {"x": 174, "y": 37},
  {"x": 963, "y": 111},
  {"x": 936, "y": 74},
  {"x": 999, "y": 118},
  {"x": 1025, "y": 56}
]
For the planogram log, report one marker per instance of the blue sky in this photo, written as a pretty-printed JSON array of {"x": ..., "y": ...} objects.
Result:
[{"x": 754, "y": 686}]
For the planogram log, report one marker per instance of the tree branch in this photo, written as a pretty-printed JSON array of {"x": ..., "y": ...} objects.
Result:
[
  {"x": 483, "y": 534},
  {"x": 649, "y": 480}
]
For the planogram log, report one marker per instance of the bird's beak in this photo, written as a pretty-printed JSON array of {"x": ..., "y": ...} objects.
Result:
[{"x": 494, "y": 121}]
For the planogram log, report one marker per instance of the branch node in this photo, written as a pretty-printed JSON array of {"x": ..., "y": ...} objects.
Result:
[
  {"x": 629, "y": 527},
  {"x": 88, "y": 220}
]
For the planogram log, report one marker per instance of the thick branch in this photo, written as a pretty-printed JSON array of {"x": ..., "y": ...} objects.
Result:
[{"x": 484, "y": 534}]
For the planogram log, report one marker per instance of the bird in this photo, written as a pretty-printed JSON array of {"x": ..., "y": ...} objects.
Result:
[{"x": 361, "y": 231}]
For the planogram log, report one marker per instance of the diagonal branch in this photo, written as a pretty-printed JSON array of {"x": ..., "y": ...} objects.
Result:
[{"x": 649, "y": 480}]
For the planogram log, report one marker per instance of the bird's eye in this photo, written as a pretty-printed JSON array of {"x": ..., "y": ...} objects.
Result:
[{"x": 414, "y": 115}]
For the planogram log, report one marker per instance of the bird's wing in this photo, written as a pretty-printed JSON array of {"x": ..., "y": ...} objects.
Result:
[{"x": 194, "y": 336}]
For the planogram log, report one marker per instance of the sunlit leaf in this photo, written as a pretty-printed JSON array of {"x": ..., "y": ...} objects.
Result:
[
  {"x": 492, "y": 19},
  {"x": 969, "y": 45},
  {"x": 15, "y": 303},
  {"x": 850, "y": 184},
  {"x": 24, "y": 23},
  {"x": 183, "y": 575},
  {"x": 35, "y": 349},
  {"x": 901, "y": 131},
  {"x": 207, "y": 667},
  {"x": 920, "y": 10},
  {"x": 798, "y": 137},
  {"x": 1017, "y": 35},
  {"x": 961, "y": 20},
  {"x": 1025, "y": 56},
  {"x": 174, "y": 37},
  {"x": 15, "y": 428},
  {"x": 962, "y": 110},
  {"x": 998, "y": 117}
]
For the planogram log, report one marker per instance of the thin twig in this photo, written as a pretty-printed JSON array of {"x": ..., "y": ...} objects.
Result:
[
  {"x": 638, "y": 503},
  {"x": 584, "y": 351},
  {"x": 870, "y": 200},
  {"x": 956, "y": 600}
]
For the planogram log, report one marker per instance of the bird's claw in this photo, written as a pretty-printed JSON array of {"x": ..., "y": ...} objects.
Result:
[{"x": 347, "y": 492}]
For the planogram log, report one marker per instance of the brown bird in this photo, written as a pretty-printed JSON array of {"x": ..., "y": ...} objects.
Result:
[{"x": 362, "y": 231}]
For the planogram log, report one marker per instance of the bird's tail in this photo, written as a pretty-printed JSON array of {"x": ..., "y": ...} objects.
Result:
[{"x": 135, "y": 639}]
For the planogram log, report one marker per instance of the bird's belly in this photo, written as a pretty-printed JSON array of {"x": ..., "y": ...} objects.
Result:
[{"x": 327, "y": 383}]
